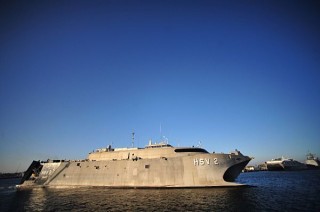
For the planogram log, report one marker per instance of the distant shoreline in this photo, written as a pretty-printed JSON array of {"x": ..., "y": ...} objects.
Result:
[{"x": 11, "y": 175}]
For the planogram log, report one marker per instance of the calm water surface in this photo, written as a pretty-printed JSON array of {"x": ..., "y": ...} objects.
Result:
[{"x": 269, "y": 191}]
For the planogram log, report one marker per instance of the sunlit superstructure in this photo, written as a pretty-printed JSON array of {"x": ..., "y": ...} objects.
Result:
[{"x": 156, "y": 165}]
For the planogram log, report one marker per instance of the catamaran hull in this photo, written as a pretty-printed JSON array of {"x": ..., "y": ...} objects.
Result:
[{"x": 202, "y": 170}]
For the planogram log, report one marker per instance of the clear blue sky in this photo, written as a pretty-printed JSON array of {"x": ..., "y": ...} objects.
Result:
[{"x": 79, "y": 75}]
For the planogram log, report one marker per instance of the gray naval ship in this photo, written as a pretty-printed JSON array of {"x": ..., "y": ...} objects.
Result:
[{"x": 155, "y": 166}]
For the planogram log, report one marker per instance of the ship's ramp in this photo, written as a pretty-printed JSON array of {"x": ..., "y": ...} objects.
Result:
[
  {"x": 34, "y": 166},
  {"x": 47, "y": 172}
]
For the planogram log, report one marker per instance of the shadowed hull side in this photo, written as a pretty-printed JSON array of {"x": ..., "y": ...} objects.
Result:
[{"x": 275, "y": 167}]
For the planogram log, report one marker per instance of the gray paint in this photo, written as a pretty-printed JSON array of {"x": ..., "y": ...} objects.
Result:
[{"x": 148, "y": 167}]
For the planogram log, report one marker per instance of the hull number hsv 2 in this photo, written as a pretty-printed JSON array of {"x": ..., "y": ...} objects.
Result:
[{"x": 204, "y": 161}]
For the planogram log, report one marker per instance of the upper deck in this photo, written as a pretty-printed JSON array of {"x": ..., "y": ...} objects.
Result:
[{"x": 160, "y": 150}]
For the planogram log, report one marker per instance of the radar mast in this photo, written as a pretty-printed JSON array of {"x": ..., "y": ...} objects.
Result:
[{"x": 133, "y": 139}]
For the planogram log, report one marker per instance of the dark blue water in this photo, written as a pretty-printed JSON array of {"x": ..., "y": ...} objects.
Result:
[{"x": 269, "y": 191}]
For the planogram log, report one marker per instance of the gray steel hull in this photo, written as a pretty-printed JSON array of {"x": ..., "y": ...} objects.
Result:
[{"x": 200, "y": 170}]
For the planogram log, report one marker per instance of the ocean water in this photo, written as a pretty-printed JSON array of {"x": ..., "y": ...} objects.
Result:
[{"x": 267, "y": 191}]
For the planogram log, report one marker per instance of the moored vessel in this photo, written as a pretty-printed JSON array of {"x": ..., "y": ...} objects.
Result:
[
  {"x": 284, "y": 164},
  {"x": 156, "y": 165},
  {"x": 312, "y": 161}
]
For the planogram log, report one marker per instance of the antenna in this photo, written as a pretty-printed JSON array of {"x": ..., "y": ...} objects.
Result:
[{"x": 133, "y": 139}]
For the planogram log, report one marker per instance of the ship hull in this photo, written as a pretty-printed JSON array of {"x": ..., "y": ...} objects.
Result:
[
  {"x": 313, "y": 163},
  {"x": 284, "y": 167},
  {"x": 275, "y": 167},
  {"x": 202, "y": 170},
  {"x": 311, "y": 166}
]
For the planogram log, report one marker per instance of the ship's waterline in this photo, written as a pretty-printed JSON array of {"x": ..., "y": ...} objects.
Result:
[{"x": 155, "y": 166}]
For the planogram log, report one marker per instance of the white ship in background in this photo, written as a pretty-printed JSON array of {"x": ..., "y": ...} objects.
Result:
[
  {"x": 284, "y": 164},
  {"x": 312, "y": 161}
]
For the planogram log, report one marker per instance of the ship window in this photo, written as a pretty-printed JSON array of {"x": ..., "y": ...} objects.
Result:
[
  {"x": 191, "y": 150},
  {"x": 147, "y": 166}
]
